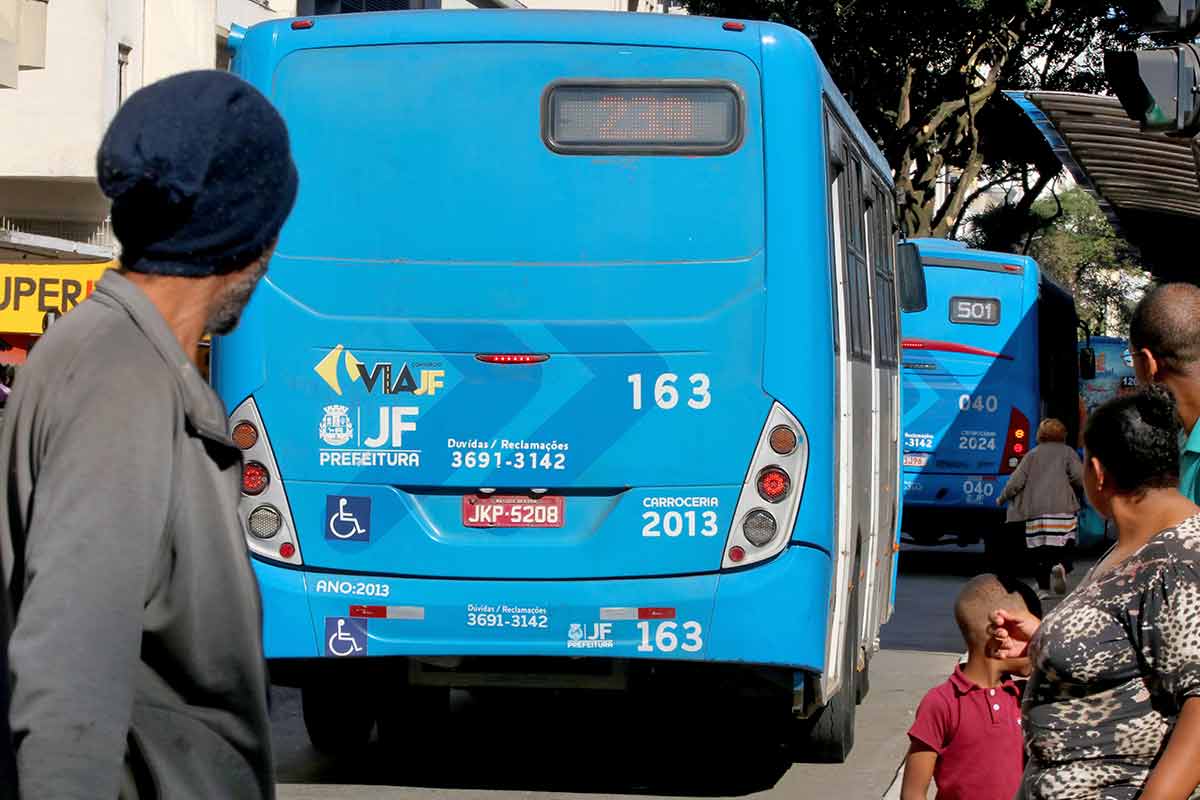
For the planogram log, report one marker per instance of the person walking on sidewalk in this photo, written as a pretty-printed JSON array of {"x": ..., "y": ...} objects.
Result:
[
  {"x": 136, "y": 650},
  {"x": 1041, "y": 495}
]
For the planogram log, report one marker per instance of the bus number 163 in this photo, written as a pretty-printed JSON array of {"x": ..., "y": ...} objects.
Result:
[{"x": 666, "y": 396}]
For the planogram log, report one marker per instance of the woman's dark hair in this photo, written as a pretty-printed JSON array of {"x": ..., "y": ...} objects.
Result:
[{"x": 1136, "y": 439}]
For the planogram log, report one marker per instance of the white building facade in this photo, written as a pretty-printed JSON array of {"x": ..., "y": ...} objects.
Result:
[{"x": 97, "y": 53}]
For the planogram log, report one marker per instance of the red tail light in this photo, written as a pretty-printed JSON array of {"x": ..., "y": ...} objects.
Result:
[
  {"x": 773, "y": 484},
  {"x": 254, "y": 478},
  {"x": 302, "y": 24},
  {"x": 1016, "y": 444},
  {"x": 512, "y": 358}
]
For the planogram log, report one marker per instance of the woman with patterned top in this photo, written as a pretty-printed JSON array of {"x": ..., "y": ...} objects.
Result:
[{"x": 1112, "y": 711}]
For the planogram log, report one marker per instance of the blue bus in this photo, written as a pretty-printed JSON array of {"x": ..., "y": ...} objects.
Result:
[
  {"x": 1111, "y": 376},
  {"x": 992, "y": 354},
  {"x": 576, "y": 365}
]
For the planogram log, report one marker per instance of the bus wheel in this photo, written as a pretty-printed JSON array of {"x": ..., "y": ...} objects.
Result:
[
  {"x": 831, "y": 731},
  {"x": 413, "y": 717},
  {"x": 337, "y": 724}
]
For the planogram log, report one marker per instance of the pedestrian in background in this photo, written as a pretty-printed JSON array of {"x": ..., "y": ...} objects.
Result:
[
  {"x": 1041, "y": 495},
  {"x": 136, "y": 652},
  {"x": 967, "y": 733},
  {"x": 1113, "y": 707},
  {"x": 1164, "y": 340}
]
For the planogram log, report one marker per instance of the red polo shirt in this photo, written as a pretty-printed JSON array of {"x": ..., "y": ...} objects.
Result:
[{"x": 976, "y": 733}]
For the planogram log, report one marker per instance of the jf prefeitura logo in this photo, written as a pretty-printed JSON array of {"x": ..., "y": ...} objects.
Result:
[{"x": 381, "y": 375}]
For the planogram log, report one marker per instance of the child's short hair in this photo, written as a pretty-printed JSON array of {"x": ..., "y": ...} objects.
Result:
[{"x": 982, "y": 595}]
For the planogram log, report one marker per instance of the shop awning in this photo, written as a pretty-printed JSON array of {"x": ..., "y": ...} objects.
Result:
[{"x": 1145, "y": 182}]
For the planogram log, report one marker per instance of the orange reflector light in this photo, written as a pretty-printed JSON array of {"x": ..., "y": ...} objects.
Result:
[
  {"x": 245, "y": 435},
  {"x": 736, "y": 554},
  {"x": 287, "y": 549},
  {"x": 302, "y": 24},
  {"x": 783, "y": 440},
  {"x": 773, "y": 484},
  {"x": 254, "y": 478},
  {"x": 512, "y": 358},
  {"x": 1019, "y": 434}
]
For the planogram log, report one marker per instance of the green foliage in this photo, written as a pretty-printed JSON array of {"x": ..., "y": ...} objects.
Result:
[
  {"x": 920, "y": 76},
  {"x": 1076, "y": 245}
]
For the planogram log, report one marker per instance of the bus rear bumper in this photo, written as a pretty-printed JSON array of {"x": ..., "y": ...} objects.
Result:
[{"x": 773, "y": 614}]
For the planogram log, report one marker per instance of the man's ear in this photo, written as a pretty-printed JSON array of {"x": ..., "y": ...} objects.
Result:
[{"x": 1152, "y": 370}]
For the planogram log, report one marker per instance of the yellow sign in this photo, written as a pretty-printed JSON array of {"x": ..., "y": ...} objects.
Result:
[{"x": 32, "y": 295}]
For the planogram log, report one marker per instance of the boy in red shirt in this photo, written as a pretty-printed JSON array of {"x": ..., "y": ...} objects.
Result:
[{"x": 967, "y": 734}]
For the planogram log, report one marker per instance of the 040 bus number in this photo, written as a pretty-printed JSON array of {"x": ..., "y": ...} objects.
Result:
[
  {"x": 978, "y": 402},
  {"x": 673, "y": 523},
  {"x": 665, "y": 637},
  {"x": 666, "y": 395}
]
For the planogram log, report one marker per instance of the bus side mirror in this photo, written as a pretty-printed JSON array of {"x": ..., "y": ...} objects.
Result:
[
  {"x": 1087, "y": 364},
  {"x": 912, "y": 278}
]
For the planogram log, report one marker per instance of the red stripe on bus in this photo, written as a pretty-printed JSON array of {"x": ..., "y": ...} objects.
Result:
[
  {"x": 951, "y": 347},
  {"x": 369, "y": 612},
  {"x": 656, "y": 613}
]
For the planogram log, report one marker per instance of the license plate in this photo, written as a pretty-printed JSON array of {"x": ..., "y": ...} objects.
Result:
[
  {"x": 512, "y": 511},
  {"x": 916, "y": 459}
]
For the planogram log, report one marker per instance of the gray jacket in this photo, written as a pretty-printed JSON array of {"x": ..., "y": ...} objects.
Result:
[
  {"x": 136, "y": 651},
  {"x": 1044, "y": 483}
]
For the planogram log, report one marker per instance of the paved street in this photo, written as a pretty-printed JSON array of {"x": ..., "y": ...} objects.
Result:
[{"x": 568, "y": 746}]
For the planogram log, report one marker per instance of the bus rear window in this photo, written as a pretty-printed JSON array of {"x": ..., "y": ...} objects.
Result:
[
  {"x": 670, "y": 117},
  {"x": 975, "y": 310}
]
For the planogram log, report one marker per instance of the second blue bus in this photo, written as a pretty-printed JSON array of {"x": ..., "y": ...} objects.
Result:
[{"x": 992, "y": 354}]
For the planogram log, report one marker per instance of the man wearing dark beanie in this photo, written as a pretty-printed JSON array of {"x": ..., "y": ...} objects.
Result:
[{"x": 135, "y": 652}]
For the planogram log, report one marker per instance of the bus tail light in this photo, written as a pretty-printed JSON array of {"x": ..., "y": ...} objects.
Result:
[
  {"x": 264, "y": 522},
  {"x": 255, "y": 478},
  {"x": 512, "y": 358},
  {"x": 1017, "y": 443},
  {"x": 244, "y": 435},
  {"x": 773, "y": 484},
  {"x": 267, "y": 524},
  {"x": 770, "y": 498}
]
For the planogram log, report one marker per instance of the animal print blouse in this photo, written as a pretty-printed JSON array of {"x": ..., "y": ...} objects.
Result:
[{"x": 1113, "y": 665}]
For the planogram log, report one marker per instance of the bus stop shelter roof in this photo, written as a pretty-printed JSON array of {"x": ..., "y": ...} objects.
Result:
[{"x": 1145, "y": 182}]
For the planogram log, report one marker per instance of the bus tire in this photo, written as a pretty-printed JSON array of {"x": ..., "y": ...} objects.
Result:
[
  {"x": 337, "y": 724},
  {"x": 831, "y": 731}
]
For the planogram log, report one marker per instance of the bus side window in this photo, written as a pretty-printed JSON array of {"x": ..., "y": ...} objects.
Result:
[
  {"x": 856, "y": 258},
  {"x": 885, "y": 286},
  {"x": 837, "y": 176}
]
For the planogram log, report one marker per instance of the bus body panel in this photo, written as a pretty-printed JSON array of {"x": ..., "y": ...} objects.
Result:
[
  {"x": 712, "y": 617},
  {"x": 616, "y": 307}
]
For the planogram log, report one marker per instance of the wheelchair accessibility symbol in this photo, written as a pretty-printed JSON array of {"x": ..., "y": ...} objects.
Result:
[
  {"x": 348, "y": 519},
  {"x": 345, "y": 636}
]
